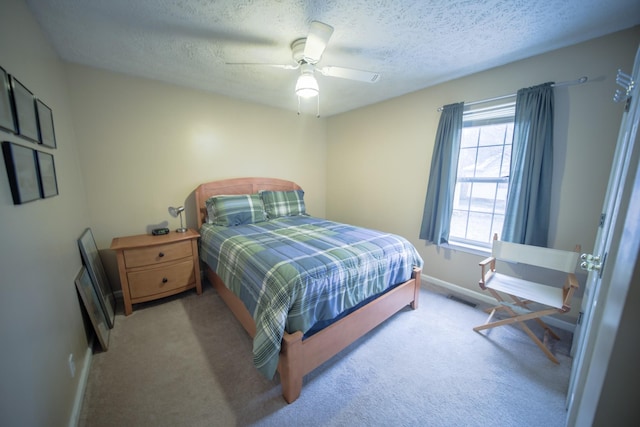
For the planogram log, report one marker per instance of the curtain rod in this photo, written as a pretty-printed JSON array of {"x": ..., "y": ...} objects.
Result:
[{"x": 579, "y": 81}]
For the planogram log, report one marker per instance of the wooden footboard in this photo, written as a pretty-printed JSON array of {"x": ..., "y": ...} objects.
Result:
[{"x": 298, "y": 357}]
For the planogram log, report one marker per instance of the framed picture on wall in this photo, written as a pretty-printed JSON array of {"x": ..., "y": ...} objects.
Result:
[
  {"x": 25, "y": 109},
  {"x": 45, "y": 125},
  {"x": 92, "y": 305},
  {"x": 7, "y": 121},
  {"x": 22, "y": 172},
  {"x": 91, "y": 259},
  {"x": 47, "y": 175}
]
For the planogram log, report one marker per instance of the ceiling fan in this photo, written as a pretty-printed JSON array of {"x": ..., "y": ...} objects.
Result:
[{"x": 306, "y": 53}]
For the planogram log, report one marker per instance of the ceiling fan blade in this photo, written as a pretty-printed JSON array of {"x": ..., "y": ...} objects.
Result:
[
  {"x": 282, "y": 66},
  {"x": 350, "y": 73},
  {"x": 319, "y": 35}
]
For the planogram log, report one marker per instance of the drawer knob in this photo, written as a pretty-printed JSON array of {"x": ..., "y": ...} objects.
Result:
[
  {"x": 165, "y": 280},
  {"x": 161, "y": 254}
]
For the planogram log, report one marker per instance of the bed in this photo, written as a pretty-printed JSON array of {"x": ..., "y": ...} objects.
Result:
[{"x": 232, "y": 265}]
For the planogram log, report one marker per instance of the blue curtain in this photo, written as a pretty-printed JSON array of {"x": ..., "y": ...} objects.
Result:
[
  {"x": 438, "y": 204},
  {"x": 529, "y": 194}
]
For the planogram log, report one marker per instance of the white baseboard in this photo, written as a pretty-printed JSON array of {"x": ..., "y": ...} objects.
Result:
[
  {"x": 479, "y": 296},
  {"x": 82, "y": 385}
]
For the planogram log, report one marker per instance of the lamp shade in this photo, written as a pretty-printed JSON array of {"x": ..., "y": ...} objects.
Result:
[
  {"x": 176, "y": 211},
  {"x": 307, "y": 86}
]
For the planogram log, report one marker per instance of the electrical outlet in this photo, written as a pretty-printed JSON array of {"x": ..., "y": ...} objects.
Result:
[{"x": 72, "y": 366}]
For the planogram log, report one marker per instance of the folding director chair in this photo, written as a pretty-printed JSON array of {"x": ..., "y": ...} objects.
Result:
[{"x": 549, "y": 299}]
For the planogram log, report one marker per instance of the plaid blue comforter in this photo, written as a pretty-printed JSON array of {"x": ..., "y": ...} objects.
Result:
[{"x": 295, "y": 271}]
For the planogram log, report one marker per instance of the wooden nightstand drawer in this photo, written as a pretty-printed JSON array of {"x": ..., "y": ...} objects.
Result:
[
  {"x": 152, "y": 267},
  {"x": 160, "y": 253},
  {"x": 147, "y": 283}
]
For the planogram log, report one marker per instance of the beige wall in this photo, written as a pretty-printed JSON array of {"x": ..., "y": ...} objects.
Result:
[
  {"x": 40, "y": 317},
  {"x": 379, "y": 156},
  {"x": 145, "y": 146}
]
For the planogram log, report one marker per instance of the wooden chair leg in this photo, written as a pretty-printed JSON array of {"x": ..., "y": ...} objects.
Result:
[
  {"x": 519, "y": 319},
  {"x": 523, "y": 304},
  {"x": 539, "y": 343},
  {"x": 515, "y": 318},
  {"x": 547, "y": 329},
  {"x": 496, "y": 308}
]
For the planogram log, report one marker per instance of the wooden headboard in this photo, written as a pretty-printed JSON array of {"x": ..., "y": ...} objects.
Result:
[{"x": 237, "y": 186}]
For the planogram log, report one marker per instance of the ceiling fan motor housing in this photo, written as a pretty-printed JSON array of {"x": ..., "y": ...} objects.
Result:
[{"x": 297, "y": 50}]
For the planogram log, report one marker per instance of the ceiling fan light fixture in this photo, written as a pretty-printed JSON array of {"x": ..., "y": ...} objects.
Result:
[{"x": 307, "y": 86}]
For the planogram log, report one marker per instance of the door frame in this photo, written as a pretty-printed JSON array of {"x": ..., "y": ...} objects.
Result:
[{"x": 619, "y": 239}]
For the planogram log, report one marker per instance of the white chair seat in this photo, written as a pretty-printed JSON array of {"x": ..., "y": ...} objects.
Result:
[{"x": 543, "y": 294}]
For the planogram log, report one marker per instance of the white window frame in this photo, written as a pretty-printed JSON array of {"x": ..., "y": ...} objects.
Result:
[{"x": 503, "y": 113}]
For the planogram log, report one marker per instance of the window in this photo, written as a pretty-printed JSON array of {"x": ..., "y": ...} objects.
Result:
[{"x": 483, "y": 175}]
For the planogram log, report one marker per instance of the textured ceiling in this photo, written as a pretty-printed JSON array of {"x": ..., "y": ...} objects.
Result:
[{"x": 413, "y": 43}]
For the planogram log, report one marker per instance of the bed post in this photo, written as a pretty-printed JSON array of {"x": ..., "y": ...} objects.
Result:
[
  {"x": 290, "y": 366},
  {"x": 417, "y": 272}
]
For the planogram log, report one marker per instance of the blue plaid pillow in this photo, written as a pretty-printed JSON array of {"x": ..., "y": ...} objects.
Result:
[
  {"x": 235, "y": 210},
  {"x": 283, "y": 203}
]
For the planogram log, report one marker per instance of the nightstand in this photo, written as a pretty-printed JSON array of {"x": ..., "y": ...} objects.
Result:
[{"x": 153, "y": 267}]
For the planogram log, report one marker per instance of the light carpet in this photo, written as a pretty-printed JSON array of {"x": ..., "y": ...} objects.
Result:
[{"x": 186, "y": 361}]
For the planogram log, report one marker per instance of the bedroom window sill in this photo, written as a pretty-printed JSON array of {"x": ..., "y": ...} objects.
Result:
[{"x": 464, "y": 247}]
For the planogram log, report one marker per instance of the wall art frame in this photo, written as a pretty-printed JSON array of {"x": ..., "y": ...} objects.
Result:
[
  {"x": 92, "y": 305},
  {"x": 22, "y": 172},
  {"x": 46, "y": 130},
  {"x": 47, "y": 175},
  {"x": 91, "y": 259},
  {"x": 24, "y": 107},
  {"x": 7, "y": 119}
]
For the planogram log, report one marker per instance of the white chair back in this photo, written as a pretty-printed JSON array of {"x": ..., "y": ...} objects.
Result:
[{"x": 554, "y": 259}]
